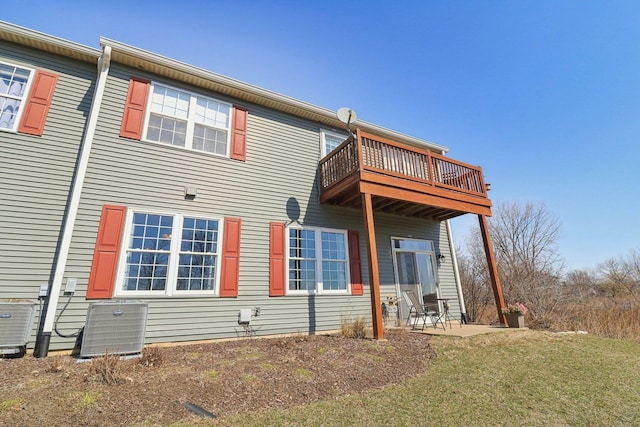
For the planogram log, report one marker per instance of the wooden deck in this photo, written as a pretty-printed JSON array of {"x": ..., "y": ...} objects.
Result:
[
  {"x": 379, "y": 175},
  {"x": 401, "y": 179}
]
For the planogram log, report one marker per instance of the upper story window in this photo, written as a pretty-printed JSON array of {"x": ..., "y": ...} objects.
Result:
[
  {"x": 188, "y": 120},
  {"x": 330, "y": 140},
  {"x": 170, "y": 254},
  {"x": 318, "y": 261},
  {"x": 13, "y": 89}
]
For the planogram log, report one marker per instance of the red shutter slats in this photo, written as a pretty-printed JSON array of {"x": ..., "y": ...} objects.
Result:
[
  {"x": 355, "y": 264},
  {"x": 277, "y": 259},
  {"x": 36, "y": 106},
  {"x": 239, "y": 134},
  {"x": 230, "y": 258},
  {"x": 134, "y": 109},
  {"x": 105, "y": 256}
]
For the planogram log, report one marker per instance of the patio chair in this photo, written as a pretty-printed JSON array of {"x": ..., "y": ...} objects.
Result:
[
  {"x": 424, "y": 311},
  {"x": 409, "y": 303}
]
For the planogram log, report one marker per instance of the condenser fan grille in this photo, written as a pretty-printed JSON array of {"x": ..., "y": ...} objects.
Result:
[{"x": 114, "y": 327}]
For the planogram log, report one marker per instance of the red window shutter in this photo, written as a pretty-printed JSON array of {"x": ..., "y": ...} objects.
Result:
[
  {"x": 277, "y": 259},
  {"x": 230, "y": 258},
  {"x": 239, "y": 134},
  {"x": 134, "y": 108},
  {"x": 355, "y": 264},
  {"x": 105, "y": 255},
  {"x": 36, "y": 107}
]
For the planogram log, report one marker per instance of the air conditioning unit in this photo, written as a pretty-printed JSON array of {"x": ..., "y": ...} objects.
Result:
[
  {"x": 114, "y": 327},
  {"x": 16, "y": 321}
]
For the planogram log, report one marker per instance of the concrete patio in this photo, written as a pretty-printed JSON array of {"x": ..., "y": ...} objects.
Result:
[
  {"x": 466, "y": 330},
  {"x": 455, "y": 330}
]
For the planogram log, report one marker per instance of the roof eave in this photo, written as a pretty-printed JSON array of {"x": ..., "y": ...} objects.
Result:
[{"x": 45, "y": 42}]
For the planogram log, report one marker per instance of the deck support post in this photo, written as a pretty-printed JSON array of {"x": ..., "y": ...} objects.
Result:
[
  {"x": 493, "y": 268},
  {"x": 374, "y": 276}
]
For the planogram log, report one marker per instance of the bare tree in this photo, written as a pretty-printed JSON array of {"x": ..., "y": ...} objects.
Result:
[
  {"x": 475, "y": 281},
  {"x": 524, "y": 238},
  {"x": 620, "y": 277},
  {"x": 580, "y": 285}
]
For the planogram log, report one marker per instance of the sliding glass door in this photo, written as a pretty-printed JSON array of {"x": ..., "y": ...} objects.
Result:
[{"x": 415, "y": 270}]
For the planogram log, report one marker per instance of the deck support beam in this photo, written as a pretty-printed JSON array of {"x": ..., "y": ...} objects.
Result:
[
  {"x": 374, "y": 276},
  {"x": 493, "y": 268}
]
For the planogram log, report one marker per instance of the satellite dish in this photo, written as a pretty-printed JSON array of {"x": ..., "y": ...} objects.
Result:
[{"x": 346, "y": 115}]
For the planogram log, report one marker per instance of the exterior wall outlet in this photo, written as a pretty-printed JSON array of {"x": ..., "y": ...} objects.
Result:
[{"x": 70, "y": 287}]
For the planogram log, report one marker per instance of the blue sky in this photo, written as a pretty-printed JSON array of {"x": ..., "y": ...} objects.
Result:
[{"x": 544, "y": 95}]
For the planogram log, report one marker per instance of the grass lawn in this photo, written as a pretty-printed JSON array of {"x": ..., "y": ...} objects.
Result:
[{"x": 515, "y": 378}]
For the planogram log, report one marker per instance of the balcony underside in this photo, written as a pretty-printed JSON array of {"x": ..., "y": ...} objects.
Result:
[
  {"x": 401, "y": 197},
  {"x": 402, "y": 180}
]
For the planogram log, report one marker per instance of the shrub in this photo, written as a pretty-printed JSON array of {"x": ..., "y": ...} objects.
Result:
[
  {"x": 151, "y": 356},
  {"x": 605, "y": 317},
  {"x": 353, "y": 328},
  {"x": 107, "y": 369},
  {"x": 58, "y": 364}
]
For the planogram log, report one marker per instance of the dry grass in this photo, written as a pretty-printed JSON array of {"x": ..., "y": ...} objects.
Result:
[
  {"x": 617, "y": 318},
  {"x": 107, "y": 369},
  {"x": 603, "y": 317},
  {"x": 151, "y": 356},
  {"x": 353, "y": 328}
]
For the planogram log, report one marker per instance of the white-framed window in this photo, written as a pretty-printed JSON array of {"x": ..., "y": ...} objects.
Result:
[
  {"x": 317, "y": 261},
  {"x": 188, "y": 120},
  {"x": 329, "y": 140},
  {"x": 169, "y": 254},
  {"x": 14, "y": 85}
]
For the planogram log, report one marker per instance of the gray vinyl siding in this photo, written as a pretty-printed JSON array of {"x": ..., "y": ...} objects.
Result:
[
  {"x": 36, "y": 174},
  {"x": 280, "y": 170}
]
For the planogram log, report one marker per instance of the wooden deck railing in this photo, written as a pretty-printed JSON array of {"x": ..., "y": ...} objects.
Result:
[{"x": 370, "y": 153}]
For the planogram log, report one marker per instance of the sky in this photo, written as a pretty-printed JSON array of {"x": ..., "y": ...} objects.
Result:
[{"x": 544, "y": 95}]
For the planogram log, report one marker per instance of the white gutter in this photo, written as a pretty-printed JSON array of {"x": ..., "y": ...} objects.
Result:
[
  {"x": 44, "y": 333},
  {"x": 456, "y": 272}
]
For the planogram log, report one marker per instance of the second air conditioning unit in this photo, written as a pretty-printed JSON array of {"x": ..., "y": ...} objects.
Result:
[
  {"x": 16, "y": 321},
  {"x": 114, "y": 327}
]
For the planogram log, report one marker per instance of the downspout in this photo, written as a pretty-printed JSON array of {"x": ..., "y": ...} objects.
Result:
[
  {"x": 45, "y": 326},
  {"x": 456, "y": 274}
]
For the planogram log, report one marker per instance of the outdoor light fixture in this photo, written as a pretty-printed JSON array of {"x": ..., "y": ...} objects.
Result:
[{"x": 440, "y": 256}]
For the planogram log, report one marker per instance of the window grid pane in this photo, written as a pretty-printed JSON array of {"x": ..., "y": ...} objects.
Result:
[
  {"x": 170, "y": 102},
  {"x": 331, "y": 142},
  {"x": 212, "y": 113},
  {"x": 170, "y": 120},
  {"x": 302, "y": 260},
  {"x": 334, "y": 275},
  {"x": 167, "y": 130},
  {"x": 198, "y": 255},
  {"x": 210, "y": 140},
  {"x": 334, "y": 261},
  {"x": 148, "y": 253},
  {"x": 13, "y": 83}
]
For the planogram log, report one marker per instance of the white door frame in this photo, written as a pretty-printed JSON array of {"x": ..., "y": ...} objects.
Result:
[{"x": 432, "y": 255}]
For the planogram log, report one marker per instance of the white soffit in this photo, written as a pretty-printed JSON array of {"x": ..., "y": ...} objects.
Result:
[{"x": 37, "y": 40}]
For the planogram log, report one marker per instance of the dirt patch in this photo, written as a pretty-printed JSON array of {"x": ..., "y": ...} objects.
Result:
[{"x": 222, "y": 377}]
